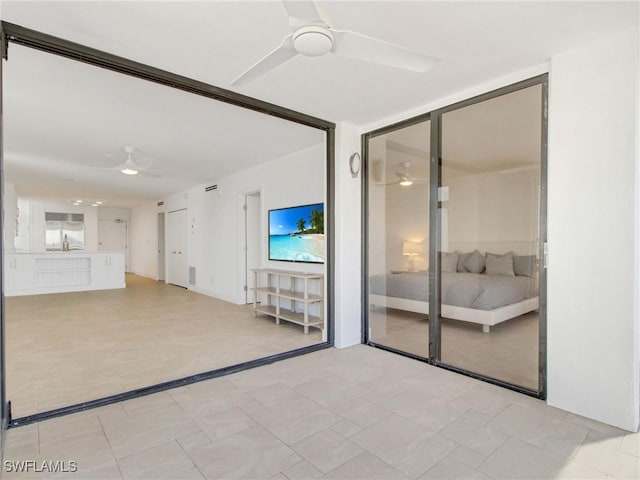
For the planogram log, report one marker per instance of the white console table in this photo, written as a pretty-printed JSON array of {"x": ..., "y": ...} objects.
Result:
[
  {"x": 287, "y": 296},
  {"x": 60, "y": 272}
]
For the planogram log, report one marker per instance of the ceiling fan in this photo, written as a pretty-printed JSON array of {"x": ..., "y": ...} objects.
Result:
[
  {"x": 404, "y": 177},
  {"x": 141, "y": 164},
  {"x": 313, "y": 36}
]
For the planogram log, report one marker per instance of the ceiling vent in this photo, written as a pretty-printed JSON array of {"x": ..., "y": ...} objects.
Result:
[
  {"x": 160, "y": 204},
  {"x": 212, "y": 187}
]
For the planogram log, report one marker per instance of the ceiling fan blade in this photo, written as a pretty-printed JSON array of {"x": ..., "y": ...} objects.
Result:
[
  {"x": 368, "y": 49},
  {"x": 276, "y": 57},
  {"x": 302, "y": 13}
]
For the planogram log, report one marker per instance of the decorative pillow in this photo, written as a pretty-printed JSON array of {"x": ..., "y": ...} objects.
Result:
[
  {"x": 475, "y": 262},
  {"x": 449, "y": 262},
  {"x": 461, "y": 259},
  {"x": 524, "y": 265},
  {"x": 500, "y": 264}
]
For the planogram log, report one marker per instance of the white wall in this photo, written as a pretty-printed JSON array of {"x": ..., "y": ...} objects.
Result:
[
  {"x": 348, "y": 237},
  {"x": 494, "y": 212},
  {"x": 593, "y": 325},
  {"x": 217, "y": 218}
]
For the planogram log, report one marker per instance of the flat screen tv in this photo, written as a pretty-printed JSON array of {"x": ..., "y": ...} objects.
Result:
[{"x": 296, "y": 234}]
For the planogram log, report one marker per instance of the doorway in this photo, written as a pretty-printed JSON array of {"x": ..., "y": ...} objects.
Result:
[
  {"x": 177, "y": 240},
  {"x": 252, "y": 229}
]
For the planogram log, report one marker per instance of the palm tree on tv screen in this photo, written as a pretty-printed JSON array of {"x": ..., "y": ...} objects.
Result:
[
  {"x": 317, "y": 221},
  {"x": 301, "y": 223}
]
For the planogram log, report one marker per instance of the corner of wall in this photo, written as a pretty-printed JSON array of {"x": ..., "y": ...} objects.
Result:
[{"x": 348, "y": 288}]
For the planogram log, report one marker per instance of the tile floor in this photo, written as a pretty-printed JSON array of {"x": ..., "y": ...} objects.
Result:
[
  {"x": 356, "y": 413},
  {"x": 67, "y": 348}
]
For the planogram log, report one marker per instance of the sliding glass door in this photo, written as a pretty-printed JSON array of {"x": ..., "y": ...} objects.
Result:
[
  {"x": 398, "y": 221},
  {"x": 455, "y": 211},
  {"x": 490, "y": 236}
]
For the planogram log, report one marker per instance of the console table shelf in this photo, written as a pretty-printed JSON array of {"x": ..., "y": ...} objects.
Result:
[{"x": 277, "y": 285}]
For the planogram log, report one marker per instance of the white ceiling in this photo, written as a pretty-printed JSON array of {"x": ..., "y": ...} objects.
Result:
[
  {"x": 66, "y": 124},
  {"x": 215, "y": 41}
]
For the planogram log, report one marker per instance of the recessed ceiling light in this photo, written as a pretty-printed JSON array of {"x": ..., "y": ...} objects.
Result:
[
  {"x": 99, "y": 202},
  {"x": 79, "y": 201},
  {"x": 94, "y": 204},
  {"x": 76, "y": 203}
]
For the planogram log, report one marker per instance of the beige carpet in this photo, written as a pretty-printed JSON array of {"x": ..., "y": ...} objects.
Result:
[
  {"x": 508, "y": 353},
  {"x": 67, "y": 348}
]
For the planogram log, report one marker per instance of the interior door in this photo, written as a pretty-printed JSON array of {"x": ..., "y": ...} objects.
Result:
[
  {"x": 177, "y": 240},
  {"x": 112, "y": 236},
  {"x": 252, "y": 240}
]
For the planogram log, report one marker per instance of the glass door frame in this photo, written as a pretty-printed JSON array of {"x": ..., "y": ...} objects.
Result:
[
  {"x": 435, "y": 227},
  {"x": 366, "y": 333}
]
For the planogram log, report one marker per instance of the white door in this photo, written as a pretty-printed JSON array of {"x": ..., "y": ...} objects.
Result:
[
  {"x": 177, "y": 238},
  {"x": 112, "y": 236},
  {"x": 252, "y": 240}
]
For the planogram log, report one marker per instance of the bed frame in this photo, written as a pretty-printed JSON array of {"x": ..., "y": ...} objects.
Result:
[{"x": 487, "y": 318}]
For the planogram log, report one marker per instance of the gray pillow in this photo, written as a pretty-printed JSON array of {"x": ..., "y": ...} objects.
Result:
[
  {"x": 524, "y": 265},
  {"x": 475, "y": 262},
  {"x": 461, "y": 259},
  {"x": 449, "y": 262},
  {"x": 500, "y": 264}
]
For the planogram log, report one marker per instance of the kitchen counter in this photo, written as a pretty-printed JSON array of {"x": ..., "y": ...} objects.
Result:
[{"x": 60, "y": 272}]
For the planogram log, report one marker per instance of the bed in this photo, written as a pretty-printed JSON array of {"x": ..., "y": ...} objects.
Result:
[{"x": 486, "y": 298}]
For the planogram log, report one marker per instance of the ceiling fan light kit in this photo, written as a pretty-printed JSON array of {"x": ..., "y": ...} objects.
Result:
[
  {"x": 129, "y": 171},
  {"x": 312, "y": 41}
]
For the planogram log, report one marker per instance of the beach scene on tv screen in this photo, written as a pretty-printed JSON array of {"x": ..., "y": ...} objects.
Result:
[{"x": 296, "y": 234}]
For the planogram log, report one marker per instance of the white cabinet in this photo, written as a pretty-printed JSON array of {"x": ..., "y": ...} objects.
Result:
[
  {"x": 18, "y": 273},
  {"x": 295, "y": 297},
  {"x": 36, "y": 273},
  {"x": 107, "y": 270}
]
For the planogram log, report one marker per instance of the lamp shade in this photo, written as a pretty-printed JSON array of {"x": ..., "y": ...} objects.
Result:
[{"x": 410, "y": 248}]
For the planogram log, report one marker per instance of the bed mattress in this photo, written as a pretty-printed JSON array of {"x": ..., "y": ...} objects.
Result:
[{"x": 470, "y": 290}]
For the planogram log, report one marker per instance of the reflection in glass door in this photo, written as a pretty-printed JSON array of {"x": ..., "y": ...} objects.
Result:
[
  {"x": 398, "y": 233},
  {"x": 491, "y": 154}
]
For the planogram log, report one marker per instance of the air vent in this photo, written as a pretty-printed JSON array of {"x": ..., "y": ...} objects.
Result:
[
  {"x": 212, "y": 187},
  {"x": 160, "y": 204}
]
